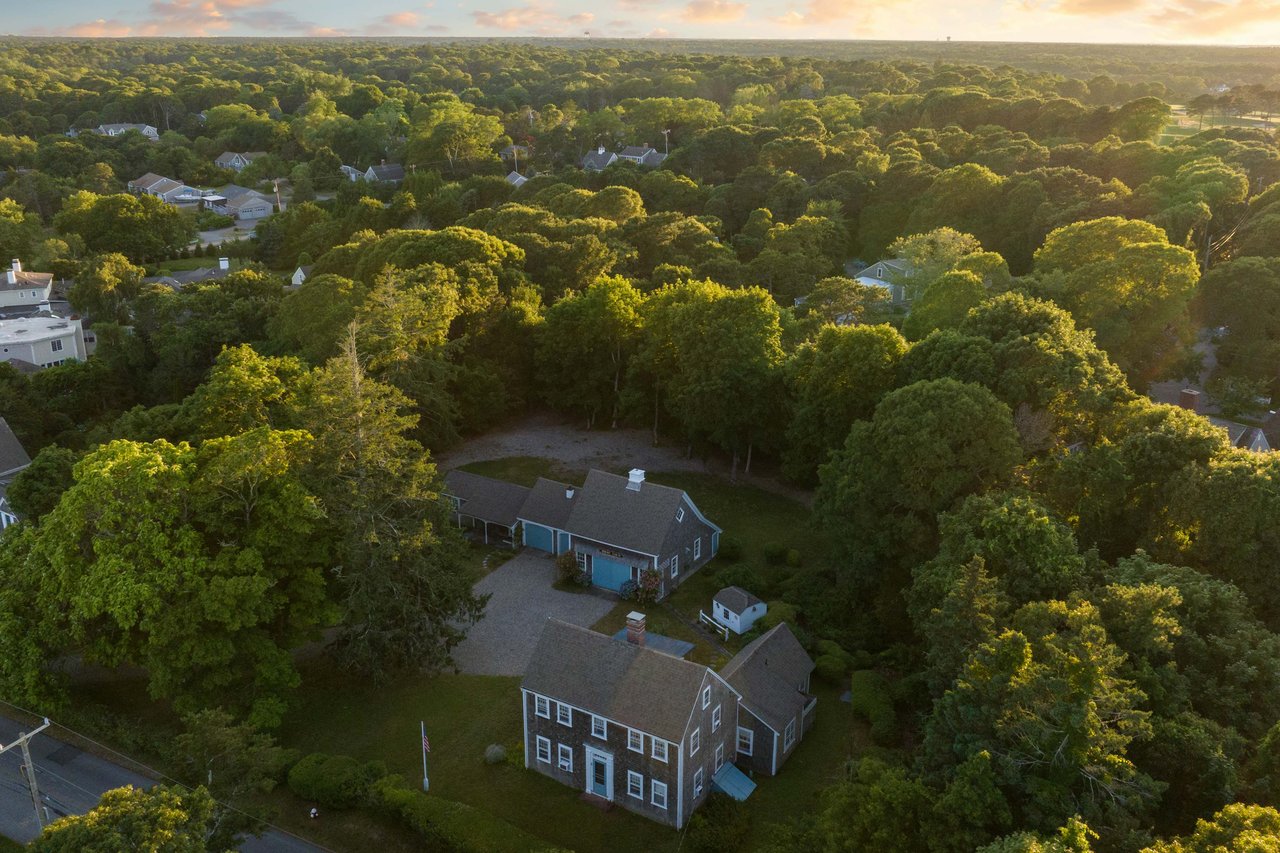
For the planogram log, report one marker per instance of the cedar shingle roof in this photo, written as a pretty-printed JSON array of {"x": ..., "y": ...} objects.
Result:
[
  {"x": 736, "y": 599},
  {"x": 607, "y": 511},
  {"x": 486, "y": 498},
  {"x": 388, "y": 172},
  {"x": 768, "y": 673},
  {"x": 26, "y": 280},
  {"x": 548, "y": 505},
  {"x": 13, "y": 457},
  {"x": 633, "y": 685}
]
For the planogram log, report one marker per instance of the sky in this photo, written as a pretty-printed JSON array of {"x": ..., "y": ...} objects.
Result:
[{"x": 1144, "y": 21}]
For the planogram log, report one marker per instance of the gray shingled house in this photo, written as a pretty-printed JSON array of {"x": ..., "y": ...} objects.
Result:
[
  {"x": 13, "y": 460},
  {"x": 598, "y": 160},
  {"x": 627, "y": 724},
  {"x": 618, "y": 527},
  {"x": 771, "y": 675}
]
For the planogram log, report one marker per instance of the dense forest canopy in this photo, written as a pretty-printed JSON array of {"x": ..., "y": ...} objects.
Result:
[{"x": 1061, "y": 593}]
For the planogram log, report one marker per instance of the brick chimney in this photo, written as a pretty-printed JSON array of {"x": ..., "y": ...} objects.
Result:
[
  {"x": 1189, "y": 398},
  {"x": 635, "y": 479},
  {"x": 635, "y": 628}
]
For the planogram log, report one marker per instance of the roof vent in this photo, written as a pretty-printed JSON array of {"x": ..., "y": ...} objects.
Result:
[
  {"x": 224, "y": 263},
  {"x": 634, "y": 479}
]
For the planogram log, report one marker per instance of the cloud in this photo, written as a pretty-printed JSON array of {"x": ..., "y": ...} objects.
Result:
[
  {"x": 817, "y": 12},
  {"x": 101, "y": 28},
  {"x": 712, "y": 11},
  {"x": 660, "y": 33},
  {"x": 534, "y": 17},
  {"x": 1098, "y": 7},
  {"x": 1213, "y": 18},
  {"x": 393, "y": 24},
  {"x": 189, "y": 18}
]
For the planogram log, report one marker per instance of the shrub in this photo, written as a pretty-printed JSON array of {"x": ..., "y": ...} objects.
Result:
[
  {"x": 743, "y": 576},
  {"x": 628, "y": 590},
  {"x": 337, "y": 781},
  {"x": 793, "y": 557},
  {"x": 449, "y": 826},
  {"x": 831, "y": 668},
  {"x": 730, "y": 549},
  {"x": 495, "y": 753},
  {"x": 778, "y": 612},
  {"x": 870, "y": 698},
  {"x": 567, "y": 570},
  {"x": 720, "y": 826},
  {"x": 775, "y": 554},
  {"x": 649, "y": 586}
]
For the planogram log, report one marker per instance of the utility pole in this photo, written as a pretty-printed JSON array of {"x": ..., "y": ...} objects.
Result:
[{"x": 21, "y": 742}]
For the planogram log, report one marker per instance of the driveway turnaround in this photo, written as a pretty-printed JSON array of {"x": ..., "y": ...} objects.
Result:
[{"x": 502, "y": 642}]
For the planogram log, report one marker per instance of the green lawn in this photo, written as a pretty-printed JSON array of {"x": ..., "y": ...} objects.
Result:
[
  {"x": 525, "y": 470},
  {"x": 7, "y": 845}
]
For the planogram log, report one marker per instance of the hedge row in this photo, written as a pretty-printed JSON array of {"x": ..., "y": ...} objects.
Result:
[{"x": 448, "y": 826}]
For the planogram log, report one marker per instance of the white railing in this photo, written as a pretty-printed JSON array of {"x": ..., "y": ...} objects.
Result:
[{"x": 711, "y": 623}]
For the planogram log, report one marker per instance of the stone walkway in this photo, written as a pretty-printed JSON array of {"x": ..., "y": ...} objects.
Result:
[{"x": 523, "y": 599}]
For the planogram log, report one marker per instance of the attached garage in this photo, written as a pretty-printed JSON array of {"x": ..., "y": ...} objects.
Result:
[
  {"x": 537, "y": 536},
  {"x": 610, "y": 574}
]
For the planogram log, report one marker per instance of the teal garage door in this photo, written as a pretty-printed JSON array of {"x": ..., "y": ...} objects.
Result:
[
  {"x": 610, "y": 574},
  {"x": 537, "y": 536}
]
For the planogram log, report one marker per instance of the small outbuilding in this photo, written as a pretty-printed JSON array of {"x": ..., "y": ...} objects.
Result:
[{"x": 736, "y": 609}]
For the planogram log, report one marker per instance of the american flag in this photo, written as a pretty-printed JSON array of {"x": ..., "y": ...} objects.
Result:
[{"x": 426, "y": 743}]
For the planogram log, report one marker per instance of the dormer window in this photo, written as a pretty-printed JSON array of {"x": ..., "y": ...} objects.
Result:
[{"x": 680, "y": 514}]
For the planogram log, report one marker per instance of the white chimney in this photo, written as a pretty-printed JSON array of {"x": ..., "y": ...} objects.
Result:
[
  {"x": 224, "y": 263},
  {"x": 600, "y": 150},
  {"x": 17, "y": 265},
  {"x": 568, "y": 493},
  {"x": 634, "y": 479},
  {"x": 635, "y": 628},
  {"x": 11, "y": 276}
]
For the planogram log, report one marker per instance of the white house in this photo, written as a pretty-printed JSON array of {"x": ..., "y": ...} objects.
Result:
[
  {"x": 41, "y": 340},
  {"x": 353, "y": 174},
  {"x": 119, "y": 128},
  {"x": 237, "y": 160},
  {"x": 642, "y": 155},
  {"x": 736, "y": 609},
  {"x": 888, "y": 275},
  {"x": 19, "y": 289},
  {"x": 300, "y": 275}
]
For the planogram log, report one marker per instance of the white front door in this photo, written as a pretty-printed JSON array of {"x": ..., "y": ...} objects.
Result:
[{"x": 599, "y": 773}]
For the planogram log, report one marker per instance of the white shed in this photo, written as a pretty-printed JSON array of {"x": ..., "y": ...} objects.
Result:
[{"x": 737, "y": 609}]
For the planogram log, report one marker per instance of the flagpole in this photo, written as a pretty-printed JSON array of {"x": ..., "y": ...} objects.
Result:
[{"x": 426, "y": 784}]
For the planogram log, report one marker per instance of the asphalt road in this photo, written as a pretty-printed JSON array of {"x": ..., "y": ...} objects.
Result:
[{"x": 71, "y": 781}]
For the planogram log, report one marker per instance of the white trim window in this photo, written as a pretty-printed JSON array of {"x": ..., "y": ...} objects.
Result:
[
  {"x": 706, "y": 697},
  {"x": 715, "y": 719},
  {"x": 635, "y": 785},
  {"x": 55, "y": 345},
  {"x": 697, "y": 548},
  {"x": 675, "y": 566},
  {"x": 719, "y": 760},
  {"x": 789, "y": 736},
  {"x": 635, "y": 741},
  {"x": 544, "y": 749},
  {"x": 746, "y": 741},
  {"x": 695, "y": 741},
  {"x": 697, "y": 783},
  {"x": 659, "y": 750},
  {"x": 566, "y": 757},
  {"x": 680, "y": 514},
  {"x": 599, "y": 727},
  {"x": 542, "y": 707},
  {"x": 564, "y": 714},
  {"x": 658, "y": 794}
]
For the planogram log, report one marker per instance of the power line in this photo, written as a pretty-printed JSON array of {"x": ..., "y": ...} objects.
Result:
[{"x": 160, "y": 776}]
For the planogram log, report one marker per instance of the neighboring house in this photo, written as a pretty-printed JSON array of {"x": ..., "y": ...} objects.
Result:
[
  {"x": 627, "y": 724},
  {"x": 599, "y": 160},
  {"x": 516, "y": 179},
  {"x": 737, "y": 609},
  {"x": 888, "y": 275},
  {"x": 771, "y": 675},
  {"x": 248, "y": 206},
  {"x": 166, "y": 189},
  {"x": 618, "y": 527},
  {"x": 179, "y": 279},
  {"x": 485, "y": 504},
  {"x": 388, "y": 173},
  {"x": 42, "y": 340},
  {"x": 237, "y": 160},
  {"x": 1242, "y": 436},
  {"x": 353, "y": 174},
  {"x": 24, "y": 290},
  {"x": 117, "y": 129},
  {"x": 642, "y": 155},
  {"x": 515, "y": 153},
  {"x": 13, "y": 459},
  {"x": 300, "y": 275}
]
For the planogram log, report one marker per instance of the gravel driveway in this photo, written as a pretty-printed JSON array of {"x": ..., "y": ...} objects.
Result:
[{"x": 502, "y": 642}]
